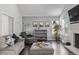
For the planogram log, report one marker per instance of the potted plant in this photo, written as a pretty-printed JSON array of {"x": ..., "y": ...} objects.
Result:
[{"x": 56, "y": 30}]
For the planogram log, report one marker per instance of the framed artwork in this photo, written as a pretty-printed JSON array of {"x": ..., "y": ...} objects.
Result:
[
  {"x": 47, "y": 24},
  {"x": 41, "y": 24},
  {"x": 35, "y": 24}
]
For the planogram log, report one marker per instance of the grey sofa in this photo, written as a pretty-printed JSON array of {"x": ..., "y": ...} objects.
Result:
[{"x": 11, "y": 50}]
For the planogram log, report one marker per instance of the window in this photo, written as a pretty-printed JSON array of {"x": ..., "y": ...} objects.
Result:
[
  {"x": 11, "y": 24},
  {"x": 7, "y": 24}
]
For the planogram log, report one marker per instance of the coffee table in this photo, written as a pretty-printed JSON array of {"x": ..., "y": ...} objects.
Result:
[{"x": 46, "y": 50}]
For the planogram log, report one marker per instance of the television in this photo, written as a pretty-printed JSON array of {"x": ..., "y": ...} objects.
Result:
[{"x": 74, "y": 14}]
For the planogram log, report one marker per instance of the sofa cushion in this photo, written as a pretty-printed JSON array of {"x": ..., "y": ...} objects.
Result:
[
  {"x": 2, "y": 43},
  {"x": 16, "y": 48},
  {"x": 7, "y": 53}
]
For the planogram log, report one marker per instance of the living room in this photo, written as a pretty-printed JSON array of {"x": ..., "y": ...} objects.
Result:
[{"x": 29, "y": 29}]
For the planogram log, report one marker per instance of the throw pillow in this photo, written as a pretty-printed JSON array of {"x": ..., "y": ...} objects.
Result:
[
  {"x": 9, "y": 41},
  {"x": 20, "y": 37},
  {"x": 15, "y": 37}
]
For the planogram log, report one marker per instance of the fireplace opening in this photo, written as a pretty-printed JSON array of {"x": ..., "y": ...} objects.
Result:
[{"x": 76, "y": 40}]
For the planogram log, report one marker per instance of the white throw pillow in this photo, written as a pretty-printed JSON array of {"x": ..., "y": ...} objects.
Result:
[{"x": 10, "y": 41}]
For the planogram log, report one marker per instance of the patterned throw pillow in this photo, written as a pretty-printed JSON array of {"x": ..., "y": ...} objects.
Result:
[{"x": 10, "y": 41}]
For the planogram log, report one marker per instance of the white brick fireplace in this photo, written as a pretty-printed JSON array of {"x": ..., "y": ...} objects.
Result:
[{"x": 74, "y": 28}]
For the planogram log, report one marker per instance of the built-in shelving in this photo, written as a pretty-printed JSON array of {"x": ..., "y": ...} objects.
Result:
[{"x": 40, "y": 35}]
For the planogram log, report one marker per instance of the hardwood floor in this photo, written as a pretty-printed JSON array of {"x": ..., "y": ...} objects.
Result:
[{"x": 58, "y": 47}]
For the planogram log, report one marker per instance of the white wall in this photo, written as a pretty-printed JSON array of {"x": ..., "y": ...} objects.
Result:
[
  {"x": 72, "y": 28},
  {"x": 12, "y": 10},
  {"x": 28, "y": 22}
]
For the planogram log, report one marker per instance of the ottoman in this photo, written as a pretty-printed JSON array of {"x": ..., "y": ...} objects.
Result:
[{"x": 46, "y": 50}]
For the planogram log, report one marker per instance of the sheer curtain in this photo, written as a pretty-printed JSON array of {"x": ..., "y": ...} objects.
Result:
[
  {"x": 11, "y": 24},
  {"x": 7, "y": 24}
]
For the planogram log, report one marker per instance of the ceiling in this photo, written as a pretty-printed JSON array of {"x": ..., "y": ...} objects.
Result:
[{"x": 41, "y": 9}]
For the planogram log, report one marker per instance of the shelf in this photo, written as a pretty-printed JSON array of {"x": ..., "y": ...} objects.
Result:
[{"x": 40, "y": 34}]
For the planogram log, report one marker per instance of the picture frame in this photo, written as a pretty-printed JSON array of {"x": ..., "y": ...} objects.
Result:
[
  {"x": 35, "y": 24},
  {"x": 47, "y": 24},
  {"x": 41, "y": 24}
]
